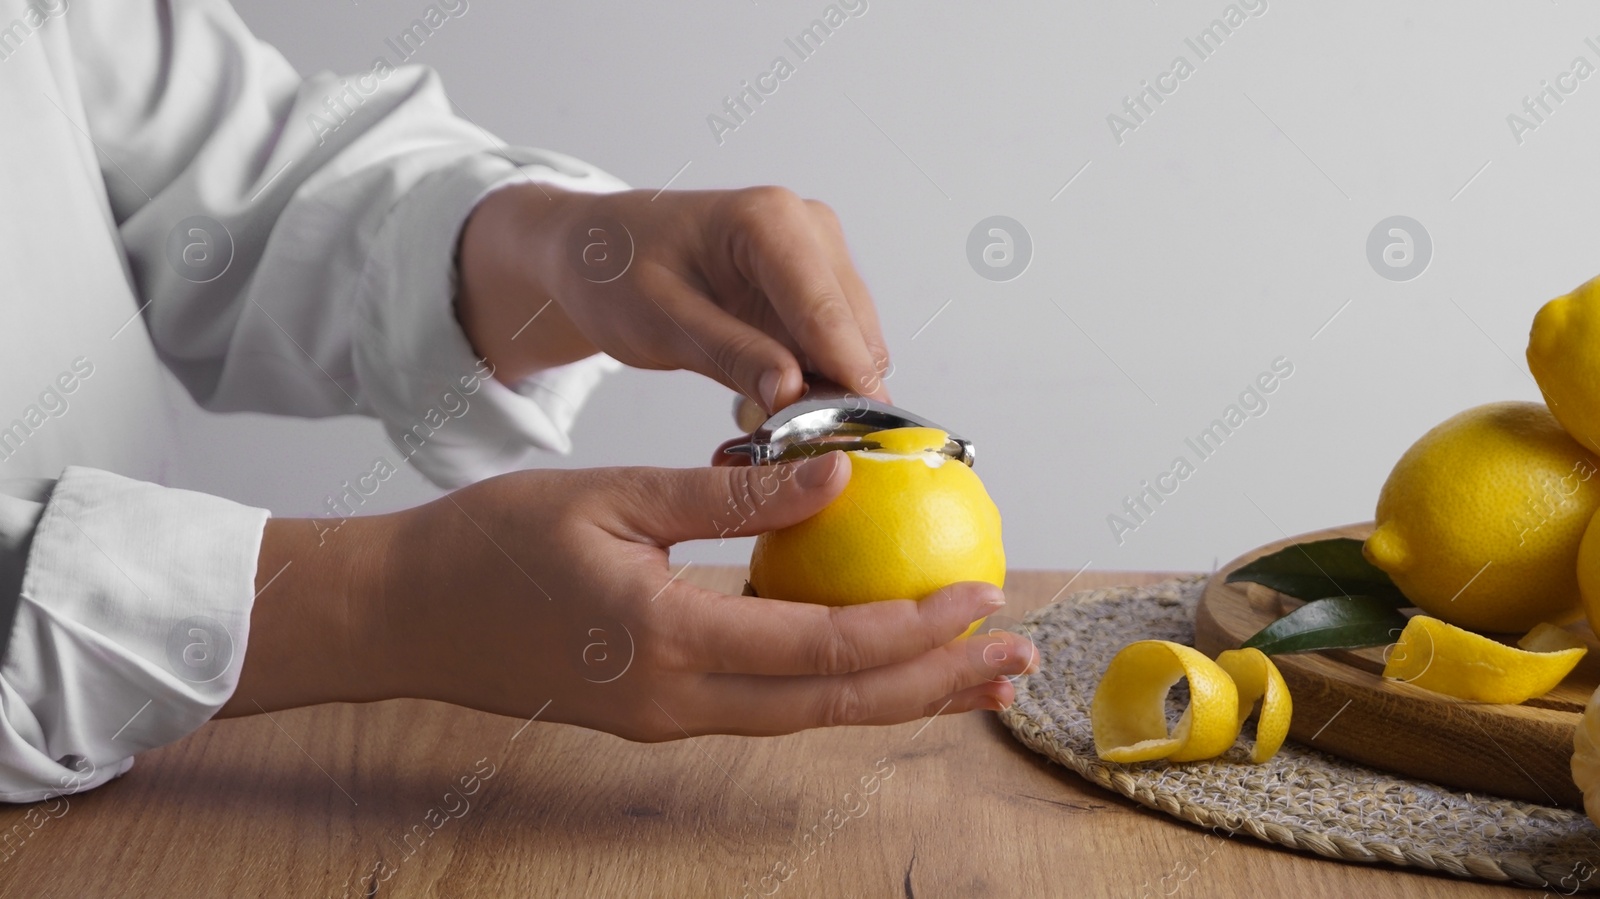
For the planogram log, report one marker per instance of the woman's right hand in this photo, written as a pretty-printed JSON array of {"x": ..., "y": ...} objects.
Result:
[{"x": 556, "y": 586}]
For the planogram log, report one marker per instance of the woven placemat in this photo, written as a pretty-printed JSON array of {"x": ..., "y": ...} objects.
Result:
[{"x": 1303, "y": 799}]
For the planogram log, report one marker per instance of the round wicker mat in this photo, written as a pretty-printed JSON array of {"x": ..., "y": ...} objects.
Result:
[{"x": 1302, "y": 798}]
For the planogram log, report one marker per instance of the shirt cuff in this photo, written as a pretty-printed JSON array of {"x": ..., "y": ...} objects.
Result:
[
  {"x": 440, "y": 405},
  {"x": 130, "y": 631}
]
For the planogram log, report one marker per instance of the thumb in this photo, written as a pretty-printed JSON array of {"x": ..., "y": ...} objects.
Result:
[{"x": 701, "y": 503}]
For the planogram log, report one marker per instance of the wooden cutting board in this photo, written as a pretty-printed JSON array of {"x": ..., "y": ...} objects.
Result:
[{"x": 1344, "y": 706}]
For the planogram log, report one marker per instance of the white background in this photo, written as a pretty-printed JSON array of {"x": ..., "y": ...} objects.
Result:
[{"x": 1223, "y": 233}]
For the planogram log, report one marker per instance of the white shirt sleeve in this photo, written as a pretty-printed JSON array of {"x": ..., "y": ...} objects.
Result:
[
  {"x": 294, "y": 238},
  {"x": 130, "y": 624},
  {"x": 293, "y": 243}
]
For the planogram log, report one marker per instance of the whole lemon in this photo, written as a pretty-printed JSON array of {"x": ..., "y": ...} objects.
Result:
[
  {"x": 910, "y": 521},
  {"x": 1479, "y": 522},
  {"x": 1564, "y": 356}
]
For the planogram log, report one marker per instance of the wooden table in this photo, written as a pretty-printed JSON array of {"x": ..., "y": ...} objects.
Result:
[{"x": 313, "y": 802}]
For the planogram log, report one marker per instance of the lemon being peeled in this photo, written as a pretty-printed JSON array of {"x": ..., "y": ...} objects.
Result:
[
  {"x": 1480, "y": 521},
  {"x": 910, "y": 521}
]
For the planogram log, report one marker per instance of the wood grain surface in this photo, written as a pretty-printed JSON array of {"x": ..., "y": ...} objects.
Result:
[
  {"x": 307, "y": 803},
  {"x": 1344, "y": 705}
]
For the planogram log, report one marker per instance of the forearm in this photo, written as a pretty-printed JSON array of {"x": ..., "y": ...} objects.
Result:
[
  {"x": 316, "y": 630},
  {"x": 506, "y": 308}
]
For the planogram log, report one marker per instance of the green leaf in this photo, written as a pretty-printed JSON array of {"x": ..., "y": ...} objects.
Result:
[
  {"x": 1342, "y": 622},
  {"x": 1322, "y": 568}
]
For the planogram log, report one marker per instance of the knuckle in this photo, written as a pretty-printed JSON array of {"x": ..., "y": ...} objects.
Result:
[
  {"x": 936, "y": 628},
  {"x": 843, "y": 705},
  {"x": 830, "y": 316},
  {"x": 739, "y": 352},
  {"x": 769, "y": 198},
  {"x": 959, "y": 675},
  {"x": 762, "y": 482},
  {"x": 739, "y": 487},
  {"x": 825, "y": 214},
  {"x": 758, "y": 209},
  {"x": 871, "y": 382},
  {"x": 834, "y": 653}
]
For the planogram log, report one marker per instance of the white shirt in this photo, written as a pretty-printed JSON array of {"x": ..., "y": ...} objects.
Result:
[{"x": 173, "y": 194}]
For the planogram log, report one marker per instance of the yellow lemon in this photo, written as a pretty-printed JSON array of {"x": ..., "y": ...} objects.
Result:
[
  {"x": 1546, "y": 637},
  {"x": 1480, "y": 521},
  {"x": 910, "y": 521},
  {"x": 1258, "y": 679},
  {"x": 1444, "y": 658},
  {"x": 1129, "y": 711},
  {"x": 1586, "y": 757},
  {"x": 1564, "y": 356},
  {"x": 1589, "y": 573}
]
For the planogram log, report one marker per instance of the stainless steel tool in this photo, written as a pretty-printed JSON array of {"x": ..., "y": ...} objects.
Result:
[{"x": 829, "y": 417}]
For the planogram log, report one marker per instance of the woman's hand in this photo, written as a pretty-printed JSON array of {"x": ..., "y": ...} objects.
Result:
[
  {"x": 748, "y": 287},
  {"x": 555, "y": 586}
]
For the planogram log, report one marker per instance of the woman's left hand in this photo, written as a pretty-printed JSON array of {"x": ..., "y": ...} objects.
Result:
[{"x": 749, "y": 287}]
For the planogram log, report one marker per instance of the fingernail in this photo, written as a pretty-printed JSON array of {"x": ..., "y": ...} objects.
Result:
[
  {"x": 992, "y": 599},
  {"x": 816, "y": 472},
  {"x": 768, "y": 388}
]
